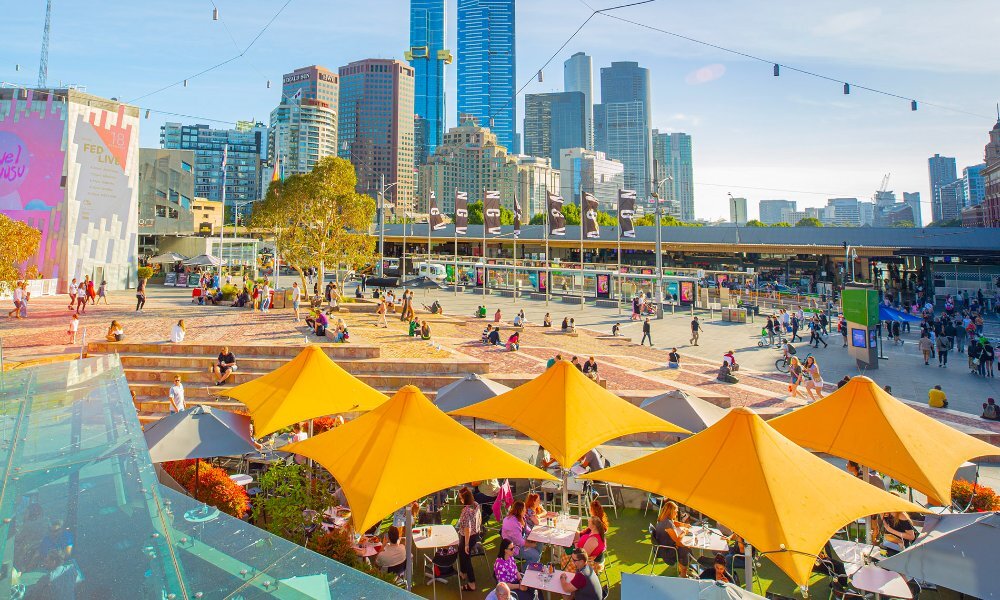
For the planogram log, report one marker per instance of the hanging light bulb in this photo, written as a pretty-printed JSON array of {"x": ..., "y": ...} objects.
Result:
[
  {"x": 777, "y": 70},
  {"x": 185, "y": 83},
  {"x": 268, "y": 84},
  {"x": 847, "y": 88},
  {"x": 540, "y": 77},
  {"x": 913, "y": 105},
  {"x": 215, "y": 14},
  {"x": 17, "y": 67},
  {"x": 147, "y": 113}
]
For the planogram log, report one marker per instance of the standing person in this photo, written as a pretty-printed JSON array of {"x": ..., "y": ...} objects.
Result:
[
  {"x": 942, "y": 346},
  {"x": 140, "y": 295},
  {"x": 177, "y": 396},
  {"x": 894, "y": 328},
  {"x": 74, "y": 325},
  {"x": 296, "y": 296},
  {"x": 986, "y": 356},
  {"x": 25, "y": 297},
  {"x": 73, "y": 287},
  {"x": 17, "y": 296},
  {"x": 812, "y": 377},
  {"x": 265, "y": 297},
  {"x": 470, "y": 522},
  {"x": 404, "y": 307},
  {"x": 842, "y": 328},
  {"x": 770, "y": 330},
  {"x": 814, "y": 335},
  {"x": 102, "y": 293},
  {"x": 646, "y": 333},
  {"x": 81, "y": 296},
  {"x": 91, "y": 292},
  {"x": 795, "y": 328},
  {"x": 795, "y": 377},
  {"x": 926, "y": 346},
  {"x": 380, "y": 311},
  {"x": 824, "y": 322},
  {"x": 695, "y": 330}
]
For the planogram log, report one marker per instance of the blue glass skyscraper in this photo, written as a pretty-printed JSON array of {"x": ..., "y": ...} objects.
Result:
[
  {"x": 623, "y": 123},
  {"x": 428, "y": 57},
  {"x": 486, "y": 73}
]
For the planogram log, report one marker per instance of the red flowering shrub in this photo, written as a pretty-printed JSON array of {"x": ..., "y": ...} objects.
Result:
[
  {"x": 983, "y": 498},
  {"x": 215, "y": 488}
]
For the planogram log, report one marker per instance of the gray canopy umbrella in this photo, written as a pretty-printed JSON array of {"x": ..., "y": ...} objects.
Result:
[
  {"x": 422, "y": 283},
  {"x": 168, "y": 258},
  {"x": 956, "y": 551},
  {"x": 203, "y": 260},
  {"x": 649, "y": 587},
  {"x": 470, "y": 390},
  {"x": 684, "y": 410},
  {"x": 199, "y": 432}
]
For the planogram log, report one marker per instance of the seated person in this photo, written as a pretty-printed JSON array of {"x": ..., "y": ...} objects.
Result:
[
  {"x": 242, "y": 299},
  {"x": 990, "y": 410},
  {"x": 674, "y": 359},
  {"x": 533, "y": 509},
  {"x": 584, "y": 583},
  {"x": 515, "y": 529},
  {"x": 116, "y": 332},
  {"x": 425, "y": 331},
  {"x": 590, "y": 368},
  {"x": 494, "y": 337},
  {"x": 414, "y": 327},
  {"x": 311, "y": 318},
  {"x": 592, "y": 539},
  {"x": 481, "y": 312},
  {"x": 436, "y": 308},
  {"x": 718, "y": 571},
  {"x": 392, "y": 558},
  {"x": 544, "y": 460},
  {"x": 592, "y": 460},
  {"x": 514, "y": 342},
  {"x": 322, "y": 322},
  {"x": 500, "y": 592},
  {"x": 898, "y": 532},
  {"x": 572, "y": 325},
  {"x": 730, "y": 358},
  {"x": 547, "y": 321},
  {"x": 518, "y": 321},
  {"x": 497, "y": 316},
  {"x": 936, "y": 398},
  {"x": 505, "y": 567},
  {"x": 486, "y": 333},
  {"x": 726, "y": 374},
  {"x": 225, "y": 366},
  {"x": 669, "y": 532},
  {"x": 616, "y": 329},
  {"x": 788, "y": 350},
  {"x": 565, "y": 324},
  {"x": 358, "y": 293}
]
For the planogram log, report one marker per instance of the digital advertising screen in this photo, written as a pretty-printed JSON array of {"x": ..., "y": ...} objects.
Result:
[
  {"x": 859, "y": 338},
  {"x": 687, "y": 291}
]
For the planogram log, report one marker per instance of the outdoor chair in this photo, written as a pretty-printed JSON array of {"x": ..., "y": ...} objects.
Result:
[
  {"x": 439, "y": 569},
  {"x": 652, "y": 500},
  {"x": 604, "y": 492},
  {"x": 660, "y": 551},
  {"x": 840, "y": 590}
]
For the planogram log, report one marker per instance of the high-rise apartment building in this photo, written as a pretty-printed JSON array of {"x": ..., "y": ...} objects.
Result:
[
  {"x": 775, "y": 211},
  {"x": 166, "y": 190},
  {"x": 244, "y": 146},
  {"x": 951, "y": 199},
  {"x": 675, "y": 170},
  {"x": 578, "y": 76},
  {"x": 623, "y": 123},
  {"x": 302, "y": 132},
  {"x": 428, "y": 57},
  {"x": 311, "y": 83},
  {"x": 376, "y": 127},
  {"x": 848, "y": 212},
  {"x": 583, "y": 170},
  {"x": 486, "y": 67},
  {"x": 912, "y": 199},
  {"x": 470, "y": 159},
  {"x": 942, "y": 172},
  {"x": 554, "y": 122},
  {"x": 991, "y": 179},
  {"x": 737, "y": 211}
]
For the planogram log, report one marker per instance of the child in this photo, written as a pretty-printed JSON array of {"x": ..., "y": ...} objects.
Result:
[{"x": 74, "y": 325}]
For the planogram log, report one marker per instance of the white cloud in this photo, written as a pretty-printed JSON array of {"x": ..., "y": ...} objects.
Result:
[{"x": 705, "y": 74}]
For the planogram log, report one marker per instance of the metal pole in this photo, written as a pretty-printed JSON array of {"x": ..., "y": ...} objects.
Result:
[
  {"x": 485, "y": 280},
  {"x": 381, "y": 226},
  {"x": 409, "y": 547},
  {"x": 546, "y": 272},
  {"x": 402, "y": 258},
  {"x": 583, "y": 273},
  {"x": 455, "y": 282},
  {"x": 618, "y": 265},
  {"x": 748, "y": 565},
  {"x": 515, "y": 266},
  {"x": 222, "y": 230}
]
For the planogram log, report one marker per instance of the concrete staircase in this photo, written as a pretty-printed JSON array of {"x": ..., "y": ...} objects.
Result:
[{"x": 150, "y": 369}]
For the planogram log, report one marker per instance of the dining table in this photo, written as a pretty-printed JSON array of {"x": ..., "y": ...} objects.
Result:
[
  {"x": 434, "y": 536},
  {"x": 854, "y": 555},
  {"x": 881, "y": 582},
  {"x": 545, "y": 581},
  {"x": 705, "y": 538},
  {"x": 556, "y": 530}
]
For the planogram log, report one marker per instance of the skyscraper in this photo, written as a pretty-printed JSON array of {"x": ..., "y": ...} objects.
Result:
[
  {"x": 554, "y": 122},
  {"x": 376, "y": 127},
  {"x": 912, "y": 199},
  {"x": 589, "y": 171},
  {"x": 950, "y": 199},
  {"x": 974, "y": 187},
  {"x": 578, "y": 76},
  {"x": 775, "y": 211},
  {"x": 623, "y": 123},
  {"x": 304, "y": 124},
  {"x": 737, "y": 211},
  {"x": 428, "y": 57},
  {"x": 942, "y": 172},
  {"x": 242, "y": 161},
  {"x": 675, "y": 170},
  {"x": 486, "y": 67},
  {"x": 991, "y": 178}
]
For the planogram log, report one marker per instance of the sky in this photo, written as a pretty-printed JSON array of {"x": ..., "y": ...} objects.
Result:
[{"x": 754, "y": 135}]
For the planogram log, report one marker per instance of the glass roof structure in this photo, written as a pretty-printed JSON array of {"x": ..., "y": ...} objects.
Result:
[{"x": 82, "y": 514}]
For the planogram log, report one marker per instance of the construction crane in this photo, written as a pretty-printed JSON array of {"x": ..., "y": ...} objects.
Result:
[
  {"x": 43, "y": 63},
  {"x": 885, "y": 182}
]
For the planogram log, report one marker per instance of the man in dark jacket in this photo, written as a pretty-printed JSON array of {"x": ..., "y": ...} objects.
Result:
[{"x": 646, "y": 333}]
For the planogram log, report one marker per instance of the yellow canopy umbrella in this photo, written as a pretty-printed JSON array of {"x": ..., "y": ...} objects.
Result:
[
  {"x": 308, "y": 386},
  {"x": 863, "y": 423},
  {"x": 780, "y": 498},
  {"x": 566, "y": 413},
  {"x": 403, "y": 450}
]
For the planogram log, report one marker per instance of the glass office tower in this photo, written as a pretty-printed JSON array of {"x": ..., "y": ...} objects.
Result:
[
  {"x": 486, "y": 72},
  {"x": 428, "y": 57}
]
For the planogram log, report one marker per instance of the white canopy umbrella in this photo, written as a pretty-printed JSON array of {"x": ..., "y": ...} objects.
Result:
[
  {"x": 166, "y": 259},
  {"x": 647, "y": 587},
  {"x": 467, "y": 391},
  {"x": 684, "y": 410},
  {"x": 203, "y": 260}
]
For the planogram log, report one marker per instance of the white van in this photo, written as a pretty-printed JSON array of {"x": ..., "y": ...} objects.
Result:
[{"x": 433, "y": 271}]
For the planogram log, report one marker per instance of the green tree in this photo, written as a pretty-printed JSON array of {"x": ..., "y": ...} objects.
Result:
[
  {"x": 572, "y": 213},
  {"x": 537, "y": 219},
  {"x": 809, "y": 222},
  {"x": 20, "y": 242},
  {"x": 318, "y": 219},
  {"x": 476, "y": 212},
  {"x": 755, "y": 223},
  {"x": 286, "y": 492},
  {"x": 947, "y": 223},
  {"x": 607, "y": 220},
  {"x": 782, "y": 224},
  {"x": 903, "y": 224},
  {"x": 506, "y": 216}
]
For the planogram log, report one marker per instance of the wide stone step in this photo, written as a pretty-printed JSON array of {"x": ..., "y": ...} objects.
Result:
[
  {"x": 263, "y": 350},
  {"x": 199, "y": 385},
  {"x": 351, "y": 365}
]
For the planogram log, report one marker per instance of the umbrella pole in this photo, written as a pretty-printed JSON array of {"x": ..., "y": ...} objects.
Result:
[
  {"x": 868, "y": 519},
  {"x": 310, "y": 437},
  {"x": 409, "y": 548},
  {"x": 565, "y": 491},
  {"x": 748, "y": 566},
  {"x": 197, "y": 463}
]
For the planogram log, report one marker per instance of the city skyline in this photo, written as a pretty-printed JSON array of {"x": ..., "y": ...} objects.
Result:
[{"x": 752, "y": 130}]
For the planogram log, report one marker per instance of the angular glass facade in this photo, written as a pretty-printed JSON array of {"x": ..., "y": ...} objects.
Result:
[
  {"x": 672, "y": 155},
  {"x": 428, "y": 57},
  {"x": 578, "y": 76},
  {"x": 486, "y": 67},
  {"x": 242, "y": 166},
  {"x": 76, "y": 473},
  {"x": 554, "y": 122}
]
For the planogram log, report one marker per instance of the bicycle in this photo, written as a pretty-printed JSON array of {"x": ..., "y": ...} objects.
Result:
[{"x": 782, "y": 364}]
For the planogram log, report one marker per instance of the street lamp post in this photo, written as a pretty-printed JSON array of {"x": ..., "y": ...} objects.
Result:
[
  {"x": 659, "y": 242},
  {"x": 381, "y": 220}
]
